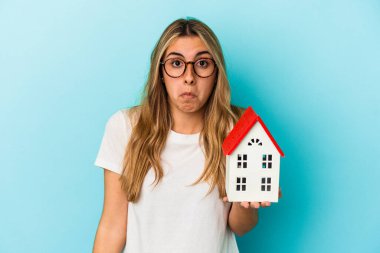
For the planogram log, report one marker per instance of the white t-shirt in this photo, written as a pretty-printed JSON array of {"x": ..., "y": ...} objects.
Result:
[{"x": 172, "y": 217}]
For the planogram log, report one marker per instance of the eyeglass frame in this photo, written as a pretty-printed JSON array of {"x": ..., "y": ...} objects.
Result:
[{"x": 192, "y": 63}]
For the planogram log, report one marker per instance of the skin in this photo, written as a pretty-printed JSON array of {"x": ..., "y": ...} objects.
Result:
[{"x": 187, "y": 96}]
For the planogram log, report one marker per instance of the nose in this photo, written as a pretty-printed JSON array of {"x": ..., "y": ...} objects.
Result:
[{"x": 189, "y": 74}]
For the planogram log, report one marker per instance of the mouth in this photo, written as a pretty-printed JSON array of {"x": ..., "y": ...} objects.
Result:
[{"x": 188, "y": 95}]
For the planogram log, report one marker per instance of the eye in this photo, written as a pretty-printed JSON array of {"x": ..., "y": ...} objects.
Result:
[
  {"x": 203, "y": 63},
  {"x": 176, "y": 63}
]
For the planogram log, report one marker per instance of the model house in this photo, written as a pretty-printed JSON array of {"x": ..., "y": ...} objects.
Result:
[{"x": 252, "y": 161}]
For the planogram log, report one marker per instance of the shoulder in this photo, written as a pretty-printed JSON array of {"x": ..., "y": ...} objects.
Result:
[
  {"x": 124, "y": 118},
  {"x": 237, "y": 111},
  {"x": 132, "y": 114},
  {"x": 116, "y": 121}
]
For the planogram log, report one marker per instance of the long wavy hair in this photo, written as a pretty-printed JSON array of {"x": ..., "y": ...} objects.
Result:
[{"x": 152, "y": 120}]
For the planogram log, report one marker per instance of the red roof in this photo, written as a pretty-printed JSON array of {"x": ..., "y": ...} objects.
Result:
[{"x": 242, "y": 127}]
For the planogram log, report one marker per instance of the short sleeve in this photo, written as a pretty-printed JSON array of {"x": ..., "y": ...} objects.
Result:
[{"x": 112, "y": 149}]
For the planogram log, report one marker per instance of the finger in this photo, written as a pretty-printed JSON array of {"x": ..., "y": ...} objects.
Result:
[
  {"x": 255, "y": 205},
  {"x": 244, "y": 204},
  {"x": 265, "y": 204},
  {"x": 279, "y": 193},
  {"x": 225, "y": 199}
]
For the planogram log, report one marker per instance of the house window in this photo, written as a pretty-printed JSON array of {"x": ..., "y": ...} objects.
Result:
[
  {"x": 242, "y": 161},
  {"x": 253, "y": 141},
  {"x": 266, "y": 184},
  {"x": 241, "y": 183},
  {"x": 267, "y": 161}
]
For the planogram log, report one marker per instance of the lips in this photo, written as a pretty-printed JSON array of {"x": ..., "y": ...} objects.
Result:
[{"x": 188, "y": 95}]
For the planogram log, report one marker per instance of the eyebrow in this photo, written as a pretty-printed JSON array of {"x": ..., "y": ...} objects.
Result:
[{"x": 199, "y": 53}]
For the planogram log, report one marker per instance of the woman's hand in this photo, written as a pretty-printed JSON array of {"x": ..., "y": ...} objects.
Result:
[{"x": 256, "y": 205}]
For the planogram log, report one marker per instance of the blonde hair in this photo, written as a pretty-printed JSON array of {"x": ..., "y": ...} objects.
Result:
[{"x": 152, "y": 120}]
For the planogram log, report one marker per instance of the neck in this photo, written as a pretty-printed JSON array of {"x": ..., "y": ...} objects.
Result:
[{"x": 187, "y": 122}]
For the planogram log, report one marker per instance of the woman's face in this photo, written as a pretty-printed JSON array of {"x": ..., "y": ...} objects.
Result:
[{"x": 188, "y": 92}]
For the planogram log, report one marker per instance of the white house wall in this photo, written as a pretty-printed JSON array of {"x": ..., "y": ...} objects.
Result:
[{"x": 254, "y": 171}]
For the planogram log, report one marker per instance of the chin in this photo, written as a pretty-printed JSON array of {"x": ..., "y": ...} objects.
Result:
[{"x": 189, "y": 108}]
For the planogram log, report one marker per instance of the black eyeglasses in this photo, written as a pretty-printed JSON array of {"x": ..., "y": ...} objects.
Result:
[{"x": 176, "y": 67}]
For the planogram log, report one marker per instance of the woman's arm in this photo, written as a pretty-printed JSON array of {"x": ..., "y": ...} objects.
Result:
[
  {"x": 244, "y": 216},
  {"x": 242, "y": 219},
  {"x": 112, "y": 230}
]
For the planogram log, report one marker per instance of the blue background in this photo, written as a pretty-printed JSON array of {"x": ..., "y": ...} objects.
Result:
[{"x": 309, "y": 68}]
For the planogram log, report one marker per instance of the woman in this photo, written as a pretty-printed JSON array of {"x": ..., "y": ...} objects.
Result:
[{"x": 164, "y": 167}]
